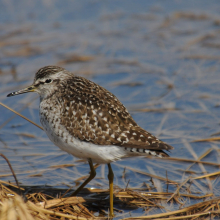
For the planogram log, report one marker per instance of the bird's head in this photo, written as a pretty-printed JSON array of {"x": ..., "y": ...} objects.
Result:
[{"x": 46, "y": 81}]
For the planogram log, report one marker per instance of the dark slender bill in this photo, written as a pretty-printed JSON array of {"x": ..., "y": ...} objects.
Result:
[
  {"x": 11, "y": 94},
  {"x": 21, "y": 91}
]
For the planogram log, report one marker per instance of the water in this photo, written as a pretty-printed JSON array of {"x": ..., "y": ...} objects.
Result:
[{"x": 151, "y": 55}]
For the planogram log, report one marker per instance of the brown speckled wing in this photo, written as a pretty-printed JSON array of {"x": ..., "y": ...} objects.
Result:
[{"x": 96, "y": 115}]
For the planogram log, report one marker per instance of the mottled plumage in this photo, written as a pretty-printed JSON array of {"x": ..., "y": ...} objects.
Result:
[
  {"x": 87, "y": 121},
  {"x": 92, "y": 114}
]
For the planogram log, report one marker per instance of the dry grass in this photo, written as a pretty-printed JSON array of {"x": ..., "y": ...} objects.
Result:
[
  {"x": 50, "y": 203},
  {"x": 188, "y": 197},
  {"x": 44, "y": 206}
]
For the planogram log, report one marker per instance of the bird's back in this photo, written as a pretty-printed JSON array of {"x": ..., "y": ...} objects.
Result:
[{"x": 92, "y": 114}]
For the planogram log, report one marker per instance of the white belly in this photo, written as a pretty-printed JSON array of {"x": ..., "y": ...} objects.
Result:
[
  {"x": 59, "y": 135},
  {"x": 81, "y": 149}
]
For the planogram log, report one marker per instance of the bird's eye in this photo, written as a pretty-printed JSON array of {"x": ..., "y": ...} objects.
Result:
[{"x": 48, "y": 80}]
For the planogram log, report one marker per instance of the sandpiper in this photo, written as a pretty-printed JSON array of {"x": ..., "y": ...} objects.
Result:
[{"x": 89, "y": 122}]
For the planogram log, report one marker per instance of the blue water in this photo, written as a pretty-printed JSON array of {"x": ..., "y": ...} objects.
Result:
[{"x": 142, "y": 52}]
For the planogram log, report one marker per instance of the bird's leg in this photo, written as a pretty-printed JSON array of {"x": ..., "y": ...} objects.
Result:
[
  {"x": 91, "y": 176},
  {"x": 111, "y": 178}
]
